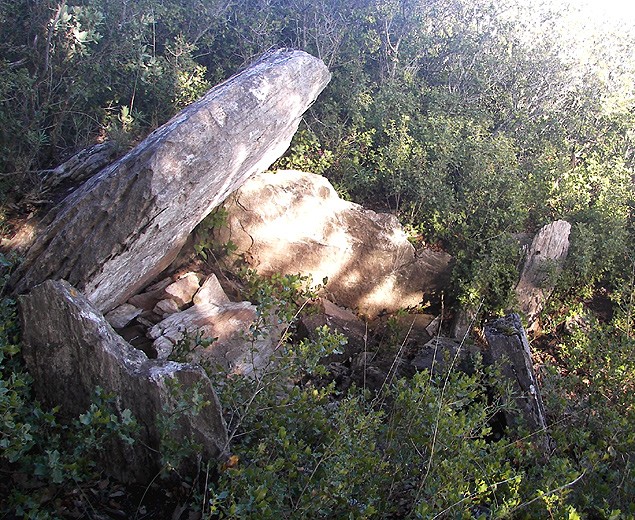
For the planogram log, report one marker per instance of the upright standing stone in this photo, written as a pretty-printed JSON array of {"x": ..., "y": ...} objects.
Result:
[
  {"x": 70, "y": 349},
  {"x": 508, "y": 344},
  {"x": 127, "y": 223},
  {"x": 545, "y": 260}
]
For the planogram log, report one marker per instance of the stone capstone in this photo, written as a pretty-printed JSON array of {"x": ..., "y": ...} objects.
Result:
[
  {"x": 127, "y": 223},
  {"x": 70, "y": 349},
  {"x": 289, "y": 222}
]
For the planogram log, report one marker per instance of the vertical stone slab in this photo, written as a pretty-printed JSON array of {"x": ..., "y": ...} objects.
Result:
[
  {"x": 508, "y": 344},
  {"x": 70, "y": 349},
  {"x": 545, "y": 260}
]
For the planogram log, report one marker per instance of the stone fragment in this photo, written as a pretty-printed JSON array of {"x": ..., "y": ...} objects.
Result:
[
  {"x": 543, "y": 264},
  {"x": 235, "y": 347},
  {"x": 441, "y": 354},
  {"x": 122, "y": 315},
  {"x": 70, "y": 349},
  {"x": 462, "y": 323},
  {"x": 165, "y": 308},
  {"x": 411, "y": 328},
  {"x": 151, "y": 295},
  {"x": 289, "y": 222},
  {"x": 338, "y": 320},
  {"x": 211, "y": 292},
  {"x": 183, "y": 289},
  {"x": 128, "y": 222},
  {"x": 435, "y": 325}
]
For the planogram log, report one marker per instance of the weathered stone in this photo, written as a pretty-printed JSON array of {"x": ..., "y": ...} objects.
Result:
[
  {"x": 210, "y": 292},
  {"x": 289, "y": 222},
  {"x": 462, "y": 323},
  {"x": 441, "y": 354},
  {"x": 338, "y": 320},
  {"x": 544, "y": 262},
  {"x": 508, "y": 343},
  {"x": 122, "y": 315},
  {"x": 81, "y": 166},
  {"x": 183, "y": 289},
  {"x": 127, "y": 223},
  {"x": 70, "y": 349},
  {"x": 151, "y": 296},
  {"x": 234, "y": 348},
  {"x": 412, "y": 328},
  {"x": 434, "y": 327},
  {"x": 166, "y": 307}
]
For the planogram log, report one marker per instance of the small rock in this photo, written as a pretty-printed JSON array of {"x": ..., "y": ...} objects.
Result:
[
  {"x": 183, "y": 290},
  {"x": 166, "y": 307},
  {"x": 434, "y": 326},
  {"x": 210, "y": 292},
  {"x": 338, "y": 320},
  {"x": 441, "y": 353},
  {"x": 151, "y": 296},
  {"x": 122, "y": 315}
]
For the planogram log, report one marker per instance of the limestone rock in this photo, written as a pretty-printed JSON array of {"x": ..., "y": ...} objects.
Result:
[
  {"x": 70, "y": 349},
  {"x": 81, "y": 166},
  {"x": 127, "y": 223},
  {"x": 544, "y": 262},
  {"x": 508, "y": 343},
  {"x": 122, "y": 315},
  {"x": 440, "y": 354},
  {"x": 183, "y": 289},
  {"x": 234, "y": 347},
  {"x": 415, "y": 329},
  {"x": 151, "y": 295},
  {"x": 338, "y": 320},
  {"x": 211, "y": 292},
  {"x": 166, "y": 307},
  {"x": 462, "y": 323},
  {"x": 289, "y": 222}
]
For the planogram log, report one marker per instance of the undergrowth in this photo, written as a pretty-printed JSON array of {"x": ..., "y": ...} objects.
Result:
[{"x": 421, "y": 447}]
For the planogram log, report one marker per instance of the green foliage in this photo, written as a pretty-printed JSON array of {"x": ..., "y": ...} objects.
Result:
[
  {"x": 418, "y": 448},
  {"x": 206, "y": 245},
  {"x": 592, "y": 410},
  {"x": 284, "y": 295}
]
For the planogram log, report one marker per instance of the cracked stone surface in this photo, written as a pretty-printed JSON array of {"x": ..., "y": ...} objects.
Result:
[
  {"x": 127, "y": 223},
  {"x": 289, "y": 222}
]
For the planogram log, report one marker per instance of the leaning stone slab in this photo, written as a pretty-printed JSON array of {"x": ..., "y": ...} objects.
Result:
[
  {"x": 128, "y": 222},
  {"x": 508, "y": 344},
  {"x": 70, "y": 349}
]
